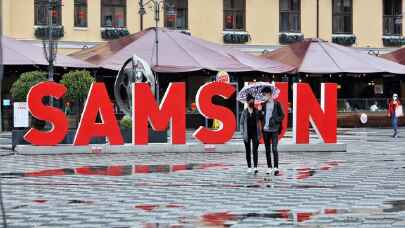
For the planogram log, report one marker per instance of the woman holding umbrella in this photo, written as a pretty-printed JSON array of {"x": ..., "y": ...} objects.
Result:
[
  {"x": 269, "y": 119},
  {"x": 250, "y": 130}
]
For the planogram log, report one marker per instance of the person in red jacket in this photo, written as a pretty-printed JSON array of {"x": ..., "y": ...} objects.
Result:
[{"x": 392, "y": 106}]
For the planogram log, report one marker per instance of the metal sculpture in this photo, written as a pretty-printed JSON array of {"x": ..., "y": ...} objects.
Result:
[{"x": 134, "y": 70}]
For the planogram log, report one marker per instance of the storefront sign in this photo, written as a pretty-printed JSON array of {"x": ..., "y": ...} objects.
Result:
[
  {"x": 6, "y": 102},
  {"x": 172, "y": 110},
  {"x": 21, "y": 117},
  {"x": 223, "y": 76}
]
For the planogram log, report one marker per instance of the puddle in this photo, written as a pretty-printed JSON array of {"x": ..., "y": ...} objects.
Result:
[
  {"x": 151, "y": 207},
  {"x": 396, "y": 206},
  {"x": 115, "y": 170},
  {"x": 80, "y": 202}
]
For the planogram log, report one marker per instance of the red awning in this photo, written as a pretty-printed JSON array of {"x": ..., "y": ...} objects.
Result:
[
  {"x": 178, "y": 52},
  {"x": 319, "y": 57},
  {"x": 21, "y": 53},
  {"x": 397, "y": 56}
]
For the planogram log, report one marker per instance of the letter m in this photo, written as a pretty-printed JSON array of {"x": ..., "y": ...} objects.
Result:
[{"x": 172, "y": 109}]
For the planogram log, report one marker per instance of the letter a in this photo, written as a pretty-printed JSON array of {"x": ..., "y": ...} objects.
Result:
[{"x": 98, "y": 101}]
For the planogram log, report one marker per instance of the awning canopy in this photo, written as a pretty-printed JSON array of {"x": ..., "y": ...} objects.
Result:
[
  {"x": 321, "y": 57},
  {"x": 178, "y": 52},
  {"x": 21, "y": 53},
  {"x": 397, "y": 56}
]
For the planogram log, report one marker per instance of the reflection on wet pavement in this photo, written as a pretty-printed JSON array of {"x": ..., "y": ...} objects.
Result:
[
  {"x": 361, "y": 188},
  {"x": 116, "y": 170}
]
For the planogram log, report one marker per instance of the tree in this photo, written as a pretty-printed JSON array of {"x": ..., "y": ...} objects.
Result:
[
  {"x": 22, "y": 86},
  {"x": 78, "y": 85}
]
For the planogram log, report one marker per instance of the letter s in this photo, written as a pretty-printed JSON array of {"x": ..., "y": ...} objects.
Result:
[
  {"x": 43, "y": 112},
  {"x": 212, "y": 111}
]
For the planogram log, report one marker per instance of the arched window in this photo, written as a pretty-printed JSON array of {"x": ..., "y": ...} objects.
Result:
[
  {"x": 234, "y": 15},
  {"x": 342, "y": 22},
  {"x": 392, "y": 18},
  {"x": 176, "y": 14},
  {"x": 290, "y": 16}
]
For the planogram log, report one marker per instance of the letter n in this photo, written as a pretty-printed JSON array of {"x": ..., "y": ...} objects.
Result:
[
  {"x": 172, "y": 109},
  {"x": 307, "y": 109}
]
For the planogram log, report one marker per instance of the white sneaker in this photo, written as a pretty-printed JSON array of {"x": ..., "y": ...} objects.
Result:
[
  {"x": 255, "y": 170},
  {"x": 276, "y": 171},
  {"x": 249, "y": 170},
  {"x": 269, "y": 171}
]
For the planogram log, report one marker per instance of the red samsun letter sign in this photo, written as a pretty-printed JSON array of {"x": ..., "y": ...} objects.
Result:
[{"x": 172, "y": 112}]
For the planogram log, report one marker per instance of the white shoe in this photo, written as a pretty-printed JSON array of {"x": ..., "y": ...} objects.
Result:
[
  {"x": 255, "y": 170},
  {"x": 249, "y": 170},
  {"x": 269, "y": 171},
  {"x": 276, "y": 171}
]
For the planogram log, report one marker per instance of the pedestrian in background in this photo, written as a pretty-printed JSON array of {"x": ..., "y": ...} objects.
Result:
[
  {"x": 272, "y": 116},
  {"x": 250, "y": 130},
  {"x": 395, "y": 111}
]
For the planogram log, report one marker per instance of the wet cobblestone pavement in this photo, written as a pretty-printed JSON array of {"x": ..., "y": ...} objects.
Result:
[{"x": 364, "y": 187}]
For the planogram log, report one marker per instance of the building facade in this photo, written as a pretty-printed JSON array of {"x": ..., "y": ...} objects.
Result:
[{"x": 255, "y": 24}]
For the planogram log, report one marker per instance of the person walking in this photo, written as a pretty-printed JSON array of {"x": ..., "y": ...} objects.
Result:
[
  {"x": 272, "y": 116},
  {"x": 392, "y": 107},
  {"x": 250, "y": 130}
]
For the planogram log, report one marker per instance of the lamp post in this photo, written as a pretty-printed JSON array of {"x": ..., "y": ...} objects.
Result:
[
  {"x": 156, "y": 8},
  {"x": 1, "y": 62},
  {"x": 50, "y": 45}
]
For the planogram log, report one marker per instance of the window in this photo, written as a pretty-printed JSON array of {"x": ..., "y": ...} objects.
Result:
[
  {"x": 234, "y": 14},
  {"x": 290, "y": 16},
  {"x": 176, "y": 13},
  {"x": 113, "y": 13},
  {"x": 41, "y": 8},
  {"x": 342, "y": 22},
  {"x": 392, "y": 18},
  {"x": 80, "y": 13}
]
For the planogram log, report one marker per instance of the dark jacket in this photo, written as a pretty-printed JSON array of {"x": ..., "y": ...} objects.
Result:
[
  {"x": 244, "y": 123},
  {"x": 276, "y": 118}
]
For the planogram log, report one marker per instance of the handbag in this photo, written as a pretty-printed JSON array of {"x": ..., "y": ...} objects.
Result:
[{"x": 399, "y": 112}]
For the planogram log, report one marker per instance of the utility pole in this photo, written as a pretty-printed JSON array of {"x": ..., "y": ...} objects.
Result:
[
  {"x": 50, "y": 45},
  {"x": 317, "y": 19},
  {"x": 141, "y": 13},
  {"x": 1, "y": 64}
]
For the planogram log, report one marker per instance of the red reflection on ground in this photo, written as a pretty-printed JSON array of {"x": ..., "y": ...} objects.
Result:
[
  {"x": 101, "y": 171},
  {"x": 147, "y": 207},
  {"x": 40, "y": 201},
  {"x": 45, "y": 173},
  {"x": 217, "y": 219},
  {"x": 304, "y": 173},
  {"x": 330, "y": 211},
  {"x": 304, "y": 216},
  {"x": 284, "y": 213},
  {"x": 174, "y": 206}
]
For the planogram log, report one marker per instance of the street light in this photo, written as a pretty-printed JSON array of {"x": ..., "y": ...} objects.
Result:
[
  {"x": 49, "y": 44},
  {"x": 156, "y": 6}
]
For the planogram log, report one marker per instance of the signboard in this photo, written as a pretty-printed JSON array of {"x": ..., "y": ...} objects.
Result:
[
  {"x": 223, "y": 76},
  {"x": 6, "y": 102},
  {"x": 21, "y": 117},
  {"x": 171, "y": 112}
]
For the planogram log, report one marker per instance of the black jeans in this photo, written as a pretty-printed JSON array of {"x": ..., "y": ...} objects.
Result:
[
  {"x": 255, "y": 143},
  {"x": 273, "y": 136}
]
